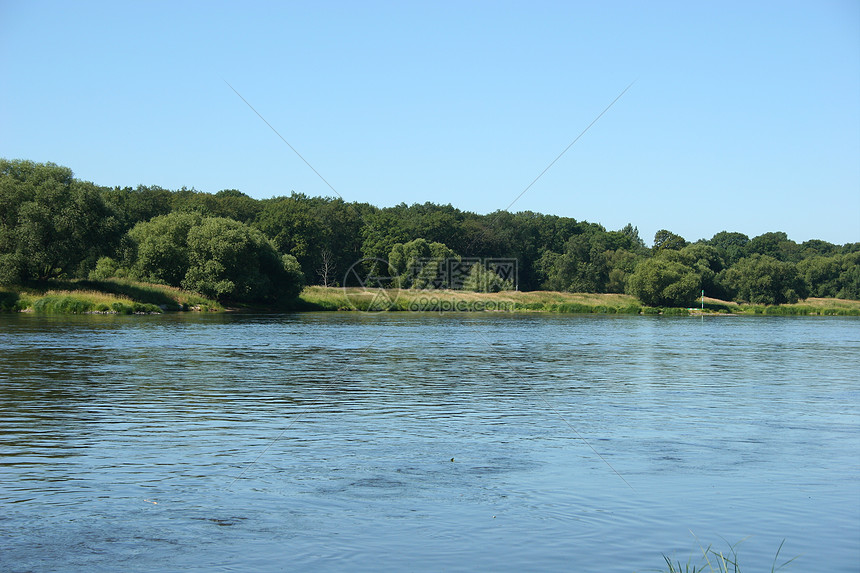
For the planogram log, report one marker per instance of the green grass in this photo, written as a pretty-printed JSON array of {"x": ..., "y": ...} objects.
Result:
[
  {"x": 124, "y": 296},
  {"x": 714, "y": 561},
  {"x": 108, "y": 296},
  {"x": 333, "y": 299}
]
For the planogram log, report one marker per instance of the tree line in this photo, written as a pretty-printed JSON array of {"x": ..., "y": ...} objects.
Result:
[{"x": 233, "y": 247}]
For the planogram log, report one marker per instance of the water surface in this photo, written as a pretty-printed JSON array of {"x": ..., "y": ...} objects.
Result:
[{"x": 325, "y": 441}]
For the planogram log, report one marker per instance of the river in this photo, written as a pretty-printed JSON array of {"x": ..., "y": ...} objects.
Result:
[{"x": 407, "y": 441}]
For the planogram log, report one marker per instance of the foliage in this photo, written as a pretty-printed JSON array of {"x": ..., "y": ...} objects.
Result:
[
  {"x": 159, "y": 251},
  {"x": 761, "y": 279},
  {"x": 51, "y": 224},
  {"x": 662, "y": 282},
  {"x": 55, "y": 226},
  {"x": 308, "y": 228},
  {"x": 218, "y": 257},
  {"x": 832, "y": 276},
  {"x": 668, "y": 240},
  {"x": 420, "y": 264},
  {"x": 229, "y": 260},
  {"x": 731, "y": 246},
  {"x": 776, "y": 245},
  {"x": 594, "y": 260},
  {"x": 482, "y": 279}
]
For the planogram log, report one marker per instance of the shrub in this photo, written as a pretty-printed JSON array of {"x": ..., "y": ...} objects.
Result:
[
  {"x": 62, "y": 304},
  {"x": 761, "y": 279},
  {"x": 662, "y": 282},
  {"x": 8, "y": 300}
]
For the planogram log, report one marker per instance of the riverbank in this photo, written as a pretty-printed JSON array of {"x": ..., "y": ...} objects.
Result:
[
  {"x": 117, "y": 296},
  {"x": 332, "y": 299},
  {"x": 113, "y": 296}
]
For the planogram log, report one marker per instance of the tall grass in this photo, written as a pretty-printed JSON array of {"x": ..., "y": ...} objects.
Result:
[
  {"x": 714, "y": 561},
  {"x": 63, "y": 303},
  {"x": 108, "y": 296}
]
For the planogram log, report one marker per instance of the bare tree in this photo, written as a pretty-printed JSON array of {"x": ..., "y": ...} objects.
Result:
[{"x": 325, "y": 271}]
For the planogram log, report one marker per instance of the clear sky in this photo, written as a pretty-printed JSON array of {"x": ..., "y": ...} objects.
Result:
[{"x": 744, "y": 116}]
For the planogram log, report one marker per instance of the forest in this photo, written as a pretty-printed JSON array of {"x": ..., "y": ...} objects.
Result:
[{"x": 234, "y": 248}]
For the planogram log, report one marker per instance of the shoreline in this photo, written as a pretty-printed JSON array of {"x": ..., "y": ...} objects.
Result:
[{"x": 127, "y": 297}]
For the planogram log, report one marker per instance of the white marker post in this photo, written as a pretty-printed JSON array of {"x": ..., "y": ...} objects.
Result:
[{"x": 703, "y": 300}]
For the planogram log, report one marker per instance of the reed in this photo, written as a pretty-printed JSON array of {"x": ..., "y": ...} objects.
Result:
[{"x": 714, "y": 561}]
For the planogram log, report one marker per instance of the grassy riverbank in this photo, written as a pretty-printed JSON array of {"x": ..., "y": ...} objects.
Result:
[
  {"x": 126, "y": 297},
  {"x": 322, "y": 298},
  {"x": 106, "y": 297}
]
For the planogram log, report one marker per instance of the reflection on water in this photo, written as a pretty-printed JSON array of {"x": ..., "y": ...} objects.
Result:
[{"x": 408, "y": 441}]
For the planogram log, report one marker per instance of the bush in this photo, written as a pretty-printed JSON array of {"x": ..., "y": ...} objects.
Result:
[
  {"x": 217, "y": 257},
  {"x": 106, "y": 268},
  {"x": 675, "y": 311},
  {"x": 62, "y": 304},
  {"x": 761, "y": 279},
  {"x": 661, "y": 282},
  {"x": 8, "y": 301}
]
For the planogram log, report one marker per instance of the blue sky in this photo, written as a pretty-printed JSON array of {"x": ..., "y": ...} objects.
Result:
[{"x": 743, "y": 116}]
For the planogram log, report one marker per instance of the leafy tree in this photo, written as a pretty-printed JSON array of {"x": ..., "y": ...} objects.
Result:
[
  {"x": 732, "y": 246},
  {"x": 662, "y": 282},
  {"x": 231, "y": 261},
  {"x": 622, "y": 263},
  {"x": 849, "y": 278},
  {"x": 233, "y": 204},
  {"x": 215, "y": 256},
  {"x": 107, "y": 268},
  {"x": 481, "y": 279},
  {"x": 776, "y": 245},
  {"x": 594, "y": 261},
  {"x": 421, "y": 264},
  {"x": 762, "y": 279},
  {"x": 137, "y": 205},
  {"x": 707, "y": 262},
  {"x": 306, "y": 227},
  {"x": 834, "y": 276},
  {"x": 633, "y": 234},
  {"x": 51, "y": 224},
  {"x": 822, "y": 275},
  {"x": 159, "y": 251},
  {"x": 817, "y": 247},
  {"x": 667, "y": 240}
]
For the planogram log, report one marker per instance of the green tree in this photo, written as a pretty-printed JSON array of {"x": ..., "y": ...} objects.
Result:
[
  {"x": 233, "y": 204},
  {"x": 594, "y": 260},
  {"x": 822, "y": 275},
  {"x": 633, "y": 234},
  {"x": 51, "y": 224},
  {"x": 776, "y": 245},
  {"x": 762, "y": 279},
  {"x": 307, "y": 227},
  {"x": 159, "y": 248},
  {"x": 732, "y": 246},
  {"x": 215, "y": 256},
  {"x": 420, "y": 264},
  {"x": 707, "y": 262},
  {"x": 849, "y": 278},
  {"x": 481, "y": 279},
  {"x": 137, "y": 205},
  {"x": 667, "y": 240},
  {"x": 622, "y": 263},
  {"x": 231, "y": 261},
  {"x": 662, "y": 282}
]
